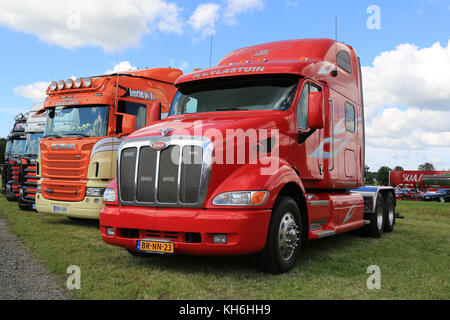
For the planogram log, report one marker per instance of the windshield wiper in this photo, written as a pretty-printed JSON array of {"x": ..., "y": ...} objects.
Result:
[
  {"x": 77, "y": 134},
  {"x": 232, "y": 109},
  {"x": 52, "y": 135}
]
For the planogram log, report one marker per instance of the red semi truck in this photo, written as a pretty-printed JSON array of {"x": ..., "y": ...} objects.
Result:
[{"x": 258, "y": 154}]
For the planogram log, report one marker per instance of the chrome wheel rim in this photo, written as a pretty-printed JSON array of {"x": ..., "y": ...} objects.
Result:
[
  {"x": 391, "y": 216},
  {"x": 379, "y": 217},
  {"x": 441, "y": 199},
  {"x": 288, "y": 236}
]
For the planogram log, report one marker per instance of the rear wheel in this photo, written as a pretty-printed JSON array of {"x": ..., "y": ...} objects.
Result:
[
  {"x": 284, "y": 237},
  {"x": 389, "y": 213},
  {"x": 377, "y": 220}
]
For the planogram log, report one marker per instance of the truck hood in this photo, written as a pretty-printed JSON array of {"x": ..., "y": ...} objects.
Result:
[{"x": 211, "y": 124}]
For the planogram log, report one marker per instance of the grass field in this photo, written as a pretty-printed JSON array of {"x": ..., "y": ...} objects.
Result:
[{"x": 414, "y": 262}]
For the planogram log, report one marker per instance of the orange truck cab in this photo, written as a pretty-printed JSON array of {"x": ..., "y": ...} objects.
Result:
[{"x": 87, "y": 119}]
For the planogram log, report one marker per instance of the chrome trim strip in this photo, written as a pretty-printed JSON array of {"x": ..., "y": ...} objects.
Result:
[
  {"x": 136, "y": 170},
  {"x": 319, "y": 202},
  {"x": 180, "y": 162},
  {"x": 326, "y": 233},
  {"x": 158, "y": 161}
]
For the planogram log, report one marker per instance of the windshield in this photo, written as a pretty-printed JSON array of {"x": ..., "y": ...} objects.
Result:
[
  {"x": 19, "y": 146},
  {"x": 8, "y": 148},
  {"x": 86, "y": 121},
  {"x": 33, "y": 139},
  {"x": 236, "y": 94}
]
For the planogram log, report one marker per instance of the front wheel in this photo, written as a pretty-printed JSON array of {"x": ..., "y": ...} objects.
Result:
[{"x": 284, "y": 237}]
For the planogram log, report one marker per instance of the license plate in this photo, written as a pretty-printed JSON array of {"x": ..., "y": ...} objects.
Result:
[
  {"x": 59, "y": 209},
  {"x": 155, "y": 246}
]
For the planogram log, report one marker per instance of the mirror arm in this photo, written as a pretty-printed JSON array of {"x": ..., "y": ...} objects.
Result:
[{"x": 304, "y": 135}]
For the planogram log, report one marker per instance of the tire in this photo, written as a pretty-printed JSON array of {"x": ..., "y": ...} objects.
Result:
[
  {"x": 389, "y": 213},
  {"x": 283, "y": 238},
  {"x": 376, "y": 226}
]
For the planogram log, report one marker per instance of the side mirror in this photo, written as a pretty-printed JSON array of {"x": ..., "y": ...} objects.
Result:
[
  {"x": 127, "y": 122},
  {"x": 315, "y": 110},
  {"x": 154, "y": 112}
]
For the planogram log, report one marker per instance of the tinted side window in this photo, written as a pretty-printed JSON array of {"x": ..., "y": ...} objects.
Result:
[
  {"x": 302, "y": 109},
  {"x": 350, "y": 123},
  {"x": 343, "y": 61},
  {"x": 136, "y": 109}
]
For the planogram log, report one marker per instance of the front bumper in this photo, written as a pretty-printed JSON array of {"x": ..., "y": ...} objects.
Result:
[
  {"x": 88, "y": 208},
  {"x": 246, "y": 229}
]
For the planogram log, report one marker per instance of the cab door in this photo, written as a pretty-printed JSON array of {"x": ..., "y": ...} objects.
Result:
[{"x": 308, "y": 158}]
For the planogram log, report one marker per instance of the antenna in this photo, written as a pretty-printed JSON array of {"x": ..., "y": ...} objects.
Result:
[
  {"x": 210, "y": 51},
  {"x": 117, "y": 71},
  {"x": 335, "y": 28},
  {"x": 334, "y": 73}
]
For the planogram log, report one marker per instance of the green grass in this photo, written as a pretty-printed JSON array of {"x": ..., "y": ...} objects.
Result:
[{"x": 414, "y": 262}]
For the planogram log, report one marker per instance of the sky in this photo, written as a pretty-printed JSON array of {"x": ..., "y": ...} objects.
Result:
[{"x": 404, "y": 46}]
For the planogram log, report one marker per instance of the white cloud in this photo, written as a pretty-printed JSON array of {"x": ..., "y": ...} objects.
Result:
[
  {"x": 104, "y": 23},
  {"x": 207, "y": 16},
  {"x": 408, "y": 106},
  {"x": 35, "y": 91},
  {"x": 122, "y": 67},
  {"x": 183, "y": 65},
  {"x": 204, "y": 18},
  {"x": 409, "y": 76},
  {"x": 235, "y": 7}
]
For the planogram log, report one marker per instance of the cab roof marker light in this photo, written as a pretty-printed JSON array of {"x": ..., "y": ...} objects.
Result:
[{"x": 61, "y": 84}]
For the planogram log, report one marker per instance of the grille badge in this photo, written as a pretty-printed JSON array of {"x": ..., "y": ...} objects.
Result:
[{"x": 159, "y": 145}]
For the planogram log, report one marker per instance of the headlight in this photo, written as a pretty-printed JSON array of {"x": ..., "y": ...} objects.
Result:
[
  {"x": 53, "y": 85},
  {"x": 61, "y": 84},
  {"x": 87, "y": 82},
  {"x": 109, "y": 195},
  {"x": 78, "y": 83},
  {"x": 69, "y": 83},
  {"x": 94, "y": 192},
  {"x": 241, "y": 198}
]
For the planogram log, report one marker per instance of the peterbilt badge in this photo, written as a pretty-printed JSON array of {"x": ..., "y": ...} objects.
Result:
[{"x": 159, "y": 145}]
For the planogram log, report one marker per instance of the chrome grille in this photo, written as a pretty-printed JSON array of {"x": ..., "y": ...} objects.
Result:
[{"x": 176, "y": 175}]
